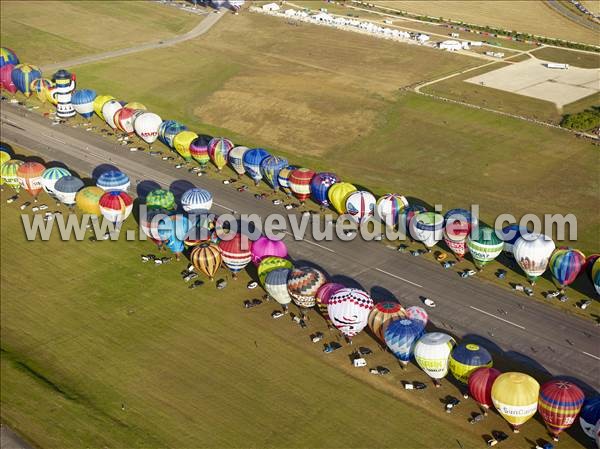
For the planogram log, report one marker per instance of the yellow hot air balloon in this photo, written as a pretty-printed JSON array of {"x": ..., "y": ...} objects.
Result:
[
  {"x": 137, "y": 106},
  {"x": 515, "y": 396},
  {"x": 182, "y": 142},
  {"x": 87, "y": 200},
  {"x": 206, "y": 258},
  {"x": 99, "y": 102},
  {"x": 338, "y": 193}
]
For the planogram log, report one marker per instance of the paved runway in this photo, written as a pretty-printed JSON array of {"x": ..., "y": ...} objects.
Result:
[{"x": 522, "y": 328}]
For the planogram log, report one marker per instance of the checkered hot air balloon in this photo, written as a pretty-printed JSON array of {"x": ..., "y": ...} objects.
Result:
[
  {"x": 66, "y": 188},
  {"x": 22, "y": 76},
  {"x": 384, "y": 313},
  {"x": 559, "y": 404},
  {"x": 196, "y": 200},
  {"x": 50, "y": 176},
  {"x": 9, "y": 174},
  {"x": 7, "y": 56},
  {"x": 88, "y": 200},
  {"x": 319, "y": 187},
  {"x": 161, "y": 199},
  {"x": 236, "y": 159},
  {"x": 300, "y": 183},
  {"x": 303, "y": 285},
  {"x": 115, "y": 206},
  {"x": 252, "y": 160},
  {"x": 349, "y": 309},
  {"x": 206, "y": 258},
  {"x": 113, "y": 180},
  {"x": 218, "y": 151},
  {"x": 29, "y": 176},
  {"x": 236, "y": 253},
  {"x": 400, "y": 336},
  {"x": 270, "y": 168}
]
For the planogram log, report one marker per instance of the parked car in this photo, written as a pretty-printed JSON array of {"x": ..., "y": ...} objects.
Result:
[
  {"x": 363, "y": 350},
  {"x": 242, "y": 188},
  {"x": 467, "y": 273},
  {"x": 25, "y": 205},
  {"x": 477, "y": 417},
  {"x": 429, "y": 302},
  {"x": 402, "y": 248},
  {"x": 379, "y": 371},
  {"x": 277, "y": 202},
  {"x": 451, "y": 402},
  {"x": 448, "y": 264},
  {"x": 584, "y": 304},
  {"x": 248, "y": 304},
  {"x": 316, "y": 337},
  {"x": 551, "y": 294},
  {"x": 252, "y": 285},
  {"x": 276, "y": 314},
  {"x": 331, "y": 347},
  {"x": 359, "y": 362},
  {"x": 528, "y": 291},
  {"x": 12, "y": 199},
  {"x": 501, "y": 274}
]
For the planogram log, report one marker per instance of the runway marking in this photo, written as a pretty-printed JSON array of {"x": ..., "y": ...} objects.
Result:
[
  {"x": 311, "y": 243},
  {"x": 54, "y": 138},
  {"x": 498, "y": 318},
  {"x": 591, "y": 355},
  {"x": 398, "y": 277}
]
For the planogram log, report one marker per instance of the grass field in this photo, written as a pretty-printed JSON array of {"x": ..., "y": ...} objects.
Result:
[
  {"x": 574, "y": 58},
  {"x": 50, "y": 31},
  {"x": 531, "y": 16}
]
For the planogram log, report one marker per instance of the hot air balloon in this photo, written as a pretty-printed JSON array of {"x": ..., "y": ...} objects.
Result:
[
  {"x": 565, "y": 265},
  {"x": 408, "y": 214},
  {"x": 196, "y": 200},
  {"x": 284, "y": 178},
  {"x": 594, "y": 270},
  {"x": 480, "y": 386},
  {"x": 236, "y": 252},
  {"x": 125, "y": 118},
  {"x": 271, "y": 263},
  {"x": 50, "y": 176},
  {"x": 88, "y": 200},
  {"x": 29, "y": 176},
  {"x": 417, "y": 313},
  {"x": 175, "y": 234},
  {"x": 113, "y": 180},
  {"x": 265, "y": 247},
  {"x": 303, "y": 284},
  {"x": 597, "y": 434},
  {"x": 22, "y": 76},
  {"x": 515, "y": 396},
  {"x": 152, "y": 224},
  {"x": 4, "y": 158},
  {"x": 389, "y": 208},
  {"x": 109, "y": 109},
  {"x": 99, "y": 103},
  {"x": 136, "y": 106},
  {"x": 66, "y": 188},
  {"x": 236, "y": 159},
  {"x": 484, "y": 246},
  {"x": 432, "y": 352},
  {"x": 383, "y": 314},
  {"x": 218, "y": 151},
  {"x": 146, "y": 126},
  {"x": 510, "y": 234},
  {"x": 400, "y": 336},
  {"x": 202, "y": 229},
  {"x": 276, "y": 286},
  {"x": 457, "y": 225},
  {"x": 83, "y": 102},
  {"x": 9, "y": 174},
  {"x": 270, "y": 168},
  {"x": 348, "y": 310},
  {"x": 7, "y": 56},
  {"x": 300, "y": 183},
  {"x": 206, "y": 258},
  {"x": 319, "y": 187},
  {"x": 559, "y": 404},
  {"x": 182, "y": 142},
  {"x": 325, "y": 292},
  {"x": 252, "y": 160},
  {"x": 427, "y": 228},
  {"x": 590, "y": 415},
  {"x": 199, "y": 150},
  {"x": 115, "y": 206},
  {"x": 40, "y": 86},
  {"x": 168, "y": 130},
  {"x": 160, "y": 198},
  {"x": 338, "y": 193},
  {"x": 466, "y": 358},
  {"x": 6, "y": 81},
  {"x": 532, "y": 252},
  {"x": 360, "y": 205}
]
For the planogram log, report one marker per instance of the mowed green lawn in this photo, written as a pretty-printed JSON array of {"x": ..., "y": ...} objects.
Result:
[{"x": 42, "y": 32}]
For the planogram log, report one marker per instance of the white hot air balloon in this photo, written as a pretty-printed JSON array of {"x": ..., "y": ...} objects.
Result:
[
  {"x": 427, "y": 227},
  {"x": 108, "y": 112},
  {"x": 532, "y": 252},
  {"x": 360, "y": 205},
  {"x": 276, "y": 286},
  {"x": 432, "y": 352},
  {"x": 349, "y": 309},
  {"x": 389, "y": 208},
  {"x": 146, "y": 126}
]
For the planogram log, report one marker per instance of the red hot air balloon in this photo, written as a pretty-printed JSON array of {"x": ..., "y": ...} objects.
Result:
[
  {"x": 559, "y": 404},
  {"x": 29, "y": 176},
  {"x": 300, "y": 183},
  {"x": 236, "y": 253},
  {"x": 480, "y": 386}
]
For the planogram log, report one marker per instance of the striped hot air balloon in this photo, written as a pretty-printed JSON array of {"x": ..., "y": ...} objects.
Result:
[
  {"x": 269, "y": 264},
  {"x": 338, "y": 193},
  {"x": 7, "y": 56},
  {"x": 99, "y": 103},
  {"x": 236, "y": 159},
  {"x": 168, "y": 130},
  {"x": 29, "y": 176},
  {"x": 88, "y": 200},
  {"x": 113, "y": 180},
  {"x": 270, "y": 168},
  {"x": 349, "y": 310},
  {"x": 389, "y": 208},
  {"x": 50, "y": 176},
  {"x": 565, "y": 265},
  {"x": 40, "y": 86},
  {"x": 252, "y": 160},
  {"x": 401, "y": 335},
  {"x": 196, "y": 200},
  {"x": 206, "y": 258},
  {"x": 325, "y": 292},
  {"x": 559, "y": 404},
  {"x": 115, "y": 206},
  {"x": 457, "y": 226},
  {"x": 22, "y": 76},
  {"x": 480, "y": 386},
  {"x": 319, "y": 187},
  {"x": 484, "y": 246},
  {"x": 66, "y": 188},
  {"x": 276, "y": 286},
  {"x": 284, "y": 178},
  {"x": 161, "y": 199},
  {"x": 300, "y": 183},
  {"x": 218, "y": 151},
  {"x": 9, "y": 174},
  {"x": 303, "y": 284},
  {"x": 83, "y": 102},
  {"x": 384, "y": 313},
  {"x": 199, "y": 150},
  {"x": 265, "y": 247},
  {"x": 236, "y": 252},
  {"x": 182, "y": 143},
  {"x": 466, "y": 358}
]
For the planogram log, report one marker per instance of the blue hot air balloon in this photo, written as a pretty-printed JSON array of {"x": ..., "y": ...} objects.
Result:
[
  {"x": 168, "y": 130},
  {"x": 509, "y": 235},
  {"x": 174, "y": 232},
  {"x": 319, "y": 186},
  {"x": 270, "y": 168},
  {"x": 590, "y": 415},
  {"x": 408, "y": 214},
  {"x": 83, "y": 102},
  {"x": 113, "y": 180},
  {"x": 401, "y": 336},
  {"x": 22, "y": 76},
  {"x": 7, "y": 56},
  {"x": 252, "y": 160}
]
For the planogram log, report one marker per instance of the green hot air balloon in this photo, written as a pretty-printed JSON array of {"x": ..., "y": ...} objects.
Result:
[{"x": 484, "y": 246}]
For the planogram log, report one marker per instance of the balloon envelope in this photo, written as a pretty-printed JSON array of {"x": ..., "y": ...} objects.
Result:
[
  {"x": 484, "y": 246},
  {"x": 337, "y": 195},
  {"x": 9, "y": 173},
  {"x": 83, "y": 102},
  {"x": 168, "y": 130},
  {"x": 401, "y": 335},
  {"x": 196, "y": 200},
  {"x": 532, "y": 252},
  {"x": 161, "y": 198},
  {"x": 269, "y": 264},
  {"x": 88, "y": 200},
  {"x": 432, "y": 351},
  {"x": 109, "y": 110},
  {"x": 113, "y": 180},
  {"x": 199, "y": 150},
  {"x": 515, "y": 396},
  {"x": 7, "y": 56},
  {"x": 466, "y": 358},
  {"x": 427, "y": 227},
  {"x": 384, "y": 313},
  {"x": 325, "y": 292},
  {"x": 22, "y": 75},
  {"x": 182, "y": 142},
  {"x": 29, "y": 176},
  {"x": 559, "y": 404},
  {"x": 6, "y": 81},
  {"x": 206, "y": 258},
  {"x": 566, "y": 264},
  {"x": 360, "y": 205},
  {"x": 66, "y": 189},
  {"x": 270, "y": 168},
  {"x": 417, "y": 313},
  {"x": 51, "y": 175},
  {"x": 480, "y": 385},
  {"x": 236, "y": 252},
  {"x": 389, "y": 208},
  {"x": 99, "y": 103},
  {"x": 590, "y": 415},
  {"x": 303, "y": 284},
  {"x": 276, "y": 285},
  {"x": 218, "y": 151},
  {"x": 348, "y": 310},
  {"x": 300, "y": 183},
  {"x": 264, "y": 247},
  {"x": 236, "y": 159},
  {"x": 252, "y": 160},
  {"x": 284, "y": 176},
  {"x": 146, "y": 126},
  {"x": 115, "y": 206},
  {"x": 320, "y": 185},
  {"x": 510, "y": 234}
]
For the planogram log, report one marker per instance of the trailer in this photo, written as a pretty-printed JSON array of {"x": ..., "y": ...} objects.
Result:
[{"x": 557, "y": 65}]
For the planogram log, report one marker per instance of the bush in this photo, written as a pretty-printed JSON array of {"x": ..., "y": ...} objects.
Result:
[{"x": 582, "y": 121}]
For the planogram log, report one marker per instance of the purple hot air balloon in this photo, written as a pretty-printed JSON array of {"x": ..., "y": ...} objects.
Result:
[{"x": 265, "y": 247}]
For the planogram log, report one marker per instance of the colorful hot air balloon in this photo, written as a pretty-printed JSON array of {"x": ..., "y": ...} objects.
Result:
[
  {"x": 417, "y": 313},
  {"x": 565, "y": 265},
  {"x": 50, "y": 176},
  {"x": 206, "y": 258},
  {"x": 510, "y": 234},
  {"x": 594, "y": 270},
  {"x": 83, "y": 102},
  {"x": 109, "y": 109},
  {"x": 236, "y": 159},
  {"x": 99, "y": 103},
  {"x": 360, "y": 205},
  {"x": 432, "y": 352},
  {"x": 466, "y": 358},
  {"x": 168, "y": 130},
  {"x": 325, "y": 292},
  {"x": 427, "y": 228},
  {"x": 337, "y": 195},
  {"x": 125, "y": 118},
  {"x": 515, "y": 396},
  {"x": 384, "y": 313},
  {"x": 40, "y": 86},
  {"x": 7, "y": 56},
  {"x": 457, "y": 226},
  {"x": 22, "y": 76},
  {"x": 152, "y": 222},
  {"x": 300, "y": 183},
  {"x": 218, "y": 151},
  {"x": 303, "y": 284},
  {"x": 265, "y": 247},
  {"x": 532, "y": 252},
  {"x": 161, "y": 199},
  {"x": 252, "y": 160},
  {"x": 400, "y": 336},
  {"x": 559, "y": 404},
  {"x": 6, "y": 81},
  {"x": 349, "y": 309},
  {"x": 196, "y": 200},
  {"x": 284, "y": 178},
  {"x": 408, "y": 214},
  {"x": 146, "y": 126},
  {"x": 270, "y": 168},
  {"x": 113, "y": 180},
  {"x": 389, "y": 208},
  {"x": 182, "y": 142},
  {"x": 276, "y": 286},
  {"x": 66, "y": 188},
  {"x": 115, "y": 206},
  {"x": 202, "y": 229},
  {"x": 88, "y": 200},
  {"x": 199, "y": 150},
  {"x": 29, "y": 176},
  {"x": 590, "y": 415},
  {"x": 271, "y": 263},
  {"x": 319, "y": 187},
  {"x": 136, "y": 106},
  {"x": 236, "y": 252},
  {"x": 484, "y": 246},
  {"x": 480, "y": 386},
  {"x": 9, "y": 174},
  {"x": 4, "y": 158}
]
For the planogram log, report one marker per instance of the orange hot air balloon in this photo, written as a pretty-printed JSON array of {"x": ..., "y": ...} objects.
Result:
[{"x": 29, "y": 176}]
